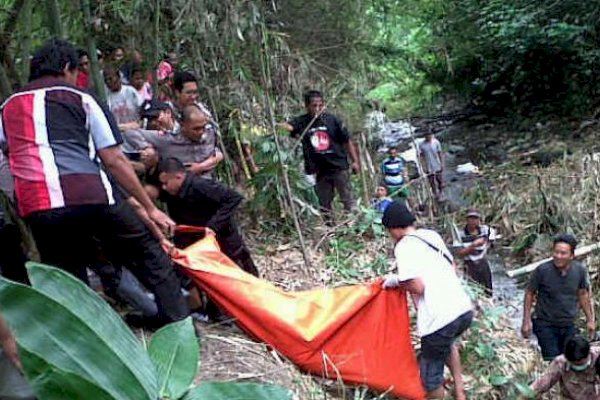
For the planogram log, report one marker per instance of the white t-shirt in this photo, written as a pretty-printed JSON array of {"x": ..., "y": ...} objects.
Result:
[
  {"x": 124, "y": 104},
  {"x": 444, "y": 298}
]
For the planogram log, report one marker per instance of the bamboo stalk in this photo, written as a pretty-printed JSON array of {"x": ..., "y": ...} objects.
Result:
[
  {"x": 54, "y": 21},
  {"x": 91, "y": 44},
  {"x": 283, "y": 168}
]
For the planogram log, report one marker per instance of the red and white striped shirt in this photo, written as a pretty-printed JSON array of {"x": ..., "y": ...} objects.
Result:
[{"x": 52, "y": 132}]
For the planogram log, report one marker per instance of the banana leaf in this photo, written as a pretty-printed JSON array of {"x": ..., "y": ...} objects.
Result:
[
  {"x": 78, "y": 336},
  {"x": 174, "y": 350},
  {"x": 238, "y": 391},
  {"x": 52, "y": 383}
]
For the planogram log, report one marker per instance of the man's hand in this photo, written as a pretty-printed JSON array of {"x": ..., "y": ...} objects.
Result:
[
  {"x": 163, "y": 221},
  {"x": 9, "y": 346},
  {"x": 391, "y": 282},
  {"x": 355, "y": 167},
  {"x": 478, "y": 242},
  {"x": 591, "y": 329},
  {"x": 526, "y": 329},
  {"x": 195, "y": 168}
]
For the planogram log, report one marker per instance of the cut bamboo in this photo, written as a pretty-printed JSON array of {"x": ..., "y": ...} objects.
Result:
[{"x": 530, "y": 267}]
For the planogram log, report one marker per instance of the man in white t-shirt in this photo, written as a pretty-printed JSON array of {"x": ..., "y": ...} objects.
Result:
[
  {"x": 426, "y": 270},
  {"x": 124, "y": 103}
]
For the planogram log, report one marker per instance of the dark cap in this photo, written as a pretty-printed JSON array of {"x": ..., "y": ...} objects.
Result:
[
  {"x": 396, "y": 215},
  {"x": 471, "y": 212},
  {"x": 152, "y": 108}
]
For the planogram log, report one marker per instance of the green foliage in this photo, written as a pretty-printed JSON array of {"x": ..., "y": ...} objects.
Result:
[
  {"x": 174, "y": 350},
  {"x": 74, "y": 346}
]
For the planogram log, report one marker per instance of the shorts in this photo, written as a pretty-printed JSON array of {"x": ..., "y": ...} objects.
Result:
[{"x": 436, "y": 348}]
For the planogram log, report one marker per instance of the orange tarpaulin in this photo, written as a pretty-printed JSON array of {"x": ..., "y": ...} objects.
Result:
[{"x": 358, "y": 333}]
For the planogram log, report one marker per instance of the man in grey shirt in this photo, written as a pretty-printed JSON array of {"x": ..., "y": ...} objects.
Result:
[
  {"x": 432, "y": 159},
  {"x": 196, "y": 146}
]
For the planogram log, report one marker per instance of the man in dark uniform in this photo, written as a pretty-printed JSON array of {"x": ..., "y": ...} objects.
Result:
[{"x": 196, "y": 201}]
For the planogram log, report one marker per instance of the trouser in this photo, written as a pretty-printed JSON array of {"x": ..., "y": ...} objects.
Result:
[
  {"x": 64, "y": 235},
  {"x": 552, "y": 338},
  {"x": 329, "y": 182},
  {"x": 479, "y": 272},
  {"x": 436, "y": 182},
  {"x": 12, "y": 256}
]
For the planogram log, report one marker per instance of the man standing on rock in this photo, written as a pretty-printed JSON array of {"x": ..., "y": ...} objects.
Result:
[
  {"x": 475, "y": 240},
  {"x": 326, "y": 144},
  {"x": 557, "y": 287},
  {"x": 432, "y": 160},
  {"x": 427, "y": 271}
]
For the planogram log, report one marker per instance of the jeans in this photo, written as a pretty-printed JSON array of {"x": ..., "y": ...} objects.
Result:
[
  {"x": 551, "y": 338},
  {"x": 12, "y": 256},
  {"x": 65, "y": 238}
]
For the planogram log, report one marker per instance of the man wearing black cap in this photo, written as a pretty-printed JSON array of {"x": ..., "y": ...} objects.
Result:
[
  {"x": 475, "y": 240},
  {"x": 159, "y": 116},
  {"x": 558, "y": 287},
  {"x": 426, "y": 270}
]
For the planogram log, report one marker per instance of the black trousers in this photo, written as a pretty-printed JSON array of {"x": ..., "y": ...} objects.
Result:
[
  {"x": 328, "y": 183},
  {"x": 479, "y": 271},
  {"x": 12, "y": 256},
  {"x": 65, "y": 239}
]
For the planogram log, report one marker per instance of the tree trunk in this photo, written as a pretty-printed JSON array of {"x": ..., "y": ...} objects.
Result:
[
  {"x": 54, "y": 21},
  {"x": 91, "y": 44}
]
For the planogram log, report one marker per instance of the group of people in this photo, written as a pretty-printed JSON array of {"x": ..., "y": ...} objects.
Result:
[{"x": 88, "y": 175}]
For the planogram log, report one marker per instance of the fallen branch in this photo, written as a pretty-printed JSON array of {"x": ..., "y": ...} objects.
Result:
[{"x": 530, "y": 267}]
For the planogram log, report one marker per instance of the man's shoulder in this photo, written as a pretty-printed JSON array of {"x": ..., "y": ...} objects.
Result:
[{"x": 545, "y": 267}]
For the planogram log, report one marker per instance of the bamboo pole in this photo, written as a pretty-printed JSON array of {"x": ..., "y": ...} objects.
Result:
[
  {"x": 55, "y": 23},
  {"x": 582, "y": 251},
  {"x": 25, "y": 51},
  {"x": 283, "y": 168},
  {"x": 91, "y": 44}
]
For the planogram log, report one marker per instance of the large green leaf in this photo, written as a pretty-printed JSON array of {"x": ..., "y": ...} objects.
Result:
[
  {"x": 238, "y": 391},
  {"x": 58, "y": 336},
  {"x": 52, "y": 383},
  {"x": 174, "y": 350},
  {"x": 98, "y": 316}
]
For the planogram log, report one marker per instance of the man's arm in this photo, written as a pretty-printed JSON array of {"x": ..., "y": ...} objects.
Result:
[
  {"x": 465, "y": 251},
  {"x": 526, "y": 328},
  {"x": 207, "y": 165},
  {"x": 549, "y": 379},
  {"x": 286, "y": 126},
  {"x": 585, "y": 301},
  {"x": 141, "y": 212},
  {"x": 441, "y": 155},
  {"x": 8, "y": 344},
  {"x": 119, "y": 167},
  {"x": 351, "y": 149}
]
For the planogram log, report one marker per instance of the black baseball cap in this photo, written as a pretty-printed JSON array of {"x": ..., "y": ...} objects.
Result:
[{"x": 152, "y": 108}]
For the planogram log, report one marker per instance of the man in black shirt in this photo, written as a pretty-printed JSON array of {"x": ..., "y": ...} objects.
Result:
[
  {"x": 325, "y": 146},
  {"x": 557, "y": 287},
  {"x": 197, "y": 201}
]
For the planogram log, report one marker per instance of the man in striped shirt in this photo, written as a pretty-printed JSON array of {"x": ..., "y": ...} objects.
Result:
[{"x": 59, "y": 140}]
